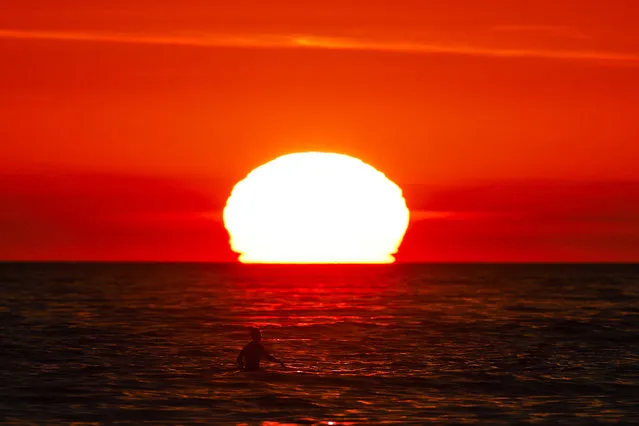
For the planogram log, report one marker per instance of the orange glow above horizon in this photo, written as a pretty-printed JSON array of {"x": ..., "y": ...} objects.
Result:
[{"x": 316, "y": 207}]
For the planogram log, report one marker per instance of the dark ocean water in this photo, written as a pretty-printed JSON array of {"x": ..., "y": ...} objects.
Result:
[{"x": 398, "y": 344}]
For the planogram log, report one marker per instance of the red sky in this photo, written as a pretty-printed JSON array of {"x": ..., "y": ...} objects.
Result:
[{"x": 511, "y": 126}]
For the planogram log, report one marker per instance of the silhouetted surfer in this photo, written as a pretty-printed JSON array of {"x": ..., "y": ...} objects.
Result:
[{"x": 249, "y": 357}]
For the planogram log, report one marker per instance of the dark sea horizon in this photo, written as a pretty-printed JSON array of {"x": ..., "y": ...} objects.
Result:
[{"x": 406, "y": 343}]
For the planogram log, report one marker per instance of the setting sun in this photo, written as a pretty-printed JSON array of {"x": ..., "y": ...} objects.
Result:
[{"x": 316, "y": 207}]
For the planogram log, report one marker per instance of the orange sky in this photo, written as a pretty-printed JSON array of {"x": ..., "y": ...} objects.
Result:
[{"x": 511, "y": 125}]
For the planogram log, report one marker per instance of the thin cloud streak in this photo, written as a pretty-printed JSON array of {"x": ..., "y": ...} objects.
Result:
[
  {"x": 318, "y": 42},
  {"x": 557, "y": 31}
]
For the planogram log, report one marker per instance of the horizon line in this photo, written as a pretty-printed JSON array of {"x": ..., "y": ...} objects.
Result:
[{"x": 237, "y": 263}]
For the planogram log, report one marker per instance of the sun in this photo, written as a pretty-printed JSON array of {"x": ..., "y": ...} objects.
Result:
[{"x": 316, "y": 207}]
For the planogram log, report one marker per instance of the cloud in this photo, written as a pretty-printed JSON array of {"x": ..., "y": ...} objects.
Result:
[
  {"x": 321, "y": 42},
  {"x": 524, "y": 221},
  {"x": 615, "y": 202},
  {"x": 103, "y": 216},
  {"x": 557, "y": 31}
]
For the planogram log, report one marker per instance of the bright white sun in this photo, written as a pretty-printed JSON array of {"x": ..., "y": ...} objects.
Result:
[{"x": 316, "y": 207}]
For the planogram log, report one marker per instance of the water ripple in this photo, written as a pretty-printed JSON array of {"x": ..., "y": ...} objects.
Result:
[{"x": 389, "y": 344}]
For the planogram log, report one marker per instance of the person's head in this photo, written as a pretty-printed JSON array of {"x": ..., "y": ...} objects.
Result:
[{"x": 256, "y": 334}]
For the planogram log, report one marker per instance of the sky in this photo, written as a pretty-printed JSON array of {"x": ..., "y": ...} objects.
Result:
[{"x": 510, "y": 126}]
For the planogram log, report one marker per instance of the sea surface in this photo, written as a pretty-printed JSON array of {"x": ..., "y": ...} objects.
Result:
[{"x": 386, "y": 344}]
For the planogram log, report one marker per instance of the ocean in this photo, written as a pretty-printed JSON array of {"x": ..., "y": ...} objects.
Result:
[{"x": 377, "y": 344}]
